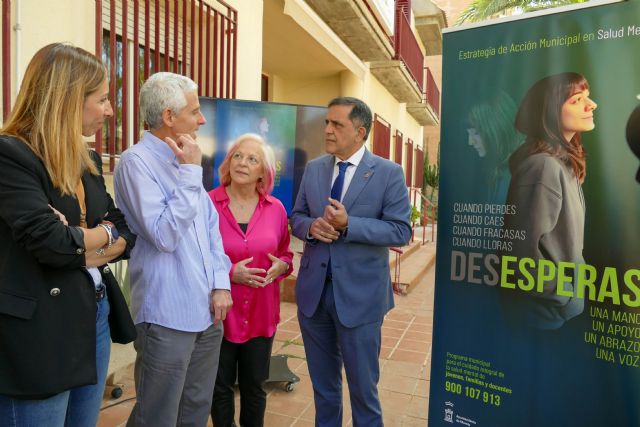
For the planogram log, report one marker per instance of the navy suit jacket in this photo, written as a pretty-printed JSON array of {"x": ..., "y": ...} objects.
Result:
[{"x": 379, "y": 217}]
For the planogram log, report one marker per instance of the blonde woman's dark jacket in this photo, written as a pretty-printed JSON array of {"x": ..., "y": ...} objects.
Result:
[{"x": 47, "y": 298}]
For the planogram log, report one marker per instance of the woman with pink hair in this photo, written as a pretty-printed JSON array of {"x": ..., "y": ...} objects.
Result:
[{"x": 255, "y": 234}]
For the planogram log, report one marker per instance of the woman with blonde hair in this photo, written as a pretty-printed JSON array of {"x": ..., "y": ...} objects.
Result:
[
  {"x": 255, "y": 235},
  {"x": 59, "y": 302}
]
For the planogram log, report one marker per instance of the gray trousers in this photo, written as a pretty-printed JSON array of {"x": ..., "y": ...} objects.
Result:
[{"x": 175, "y": 373}]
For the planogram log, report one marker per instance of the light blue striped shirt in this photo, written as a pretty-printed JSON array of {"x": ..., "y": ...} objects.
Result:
[{"x": 178, "y": 258}]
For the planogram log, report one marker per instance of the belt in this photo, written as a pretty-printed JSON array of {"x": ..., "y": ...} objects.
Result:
[{"x": 101, "y": 291}]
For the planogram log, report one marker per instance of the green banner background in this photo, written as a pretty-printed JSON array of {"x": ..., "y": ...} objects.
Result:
[{"x": 553, "y": 378}]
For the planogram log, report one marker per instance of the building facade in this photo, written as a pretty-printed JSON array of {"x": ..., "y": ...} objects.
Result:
[{"x": 287, "y": 51}]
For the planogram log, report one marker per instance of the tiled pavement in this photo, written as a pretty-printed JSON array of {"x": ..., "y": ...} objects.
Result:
[{"x": 404, "y": 360}]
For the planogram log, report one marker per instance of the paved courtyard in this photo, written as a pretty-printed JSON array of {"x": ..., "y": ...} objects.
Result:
[{"x": 405, "y": 362}]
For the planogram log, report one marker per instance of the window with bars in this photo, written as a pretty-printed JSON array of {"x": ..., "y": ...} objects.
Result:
[
  {"x": 408, "y": 170},
  {"x": 398, "y": 148},
  {"x": 418, "y": 177},
  {"x": 120, "y": 144},
  {"x": 381, "y": 137},
  {"x": 137, "y": 38}
]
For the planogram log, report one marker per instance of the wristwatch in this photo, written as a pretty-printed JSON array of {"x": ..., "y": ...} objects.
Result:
[
  {"x": 112, "y": 234},
  {"x": 114, "y": 231}
]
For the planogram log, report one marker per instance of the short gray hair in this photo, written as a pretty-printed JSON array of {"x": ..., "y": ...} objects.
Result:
[{"x": 164, "y": 90}]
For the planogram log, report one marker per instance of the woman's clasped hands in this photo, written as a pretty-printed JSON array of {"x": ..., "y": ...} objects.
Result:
[{"x": 258, "y": 277}]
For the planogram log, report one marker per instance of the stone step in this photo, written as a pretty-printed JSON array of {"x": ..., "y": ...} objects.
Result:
[
  {"x": 415, "y": 266},
  {"x": 406, "y": 252}
]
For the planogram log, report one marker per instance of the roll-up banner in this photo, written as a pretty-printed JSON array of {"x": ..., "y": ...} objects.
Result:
[{"x": 537, "y": 300}]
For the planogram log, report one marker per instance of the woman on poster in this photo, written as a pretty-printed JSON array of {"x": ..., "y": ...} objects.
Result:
[
  {"x": 546, "y": 191},
  {"x": 491, "y": 133},
  {"x": 255, "y": 235}
]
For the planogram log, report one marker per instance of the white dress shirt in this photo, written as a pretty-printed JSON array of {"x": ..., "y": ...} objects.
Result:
[{"x": 354, "y": 161}]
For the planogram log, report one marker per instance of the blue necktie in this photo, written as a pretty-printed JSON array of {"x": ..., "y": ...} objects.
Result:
[
  {"x": 336, "y": 193},
  {"x": 336, "y": 190}
]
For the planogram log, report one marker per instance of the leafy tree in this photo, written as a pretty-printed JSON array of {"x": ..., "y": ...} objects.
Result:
[{"x": 481, "y": 10}]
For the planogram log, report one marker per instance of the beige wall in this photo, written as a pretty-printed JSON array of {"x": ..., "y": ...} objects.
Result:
[
  {"x": 320, "y": 91},
  {"x": 42, "y": 25},
  {"x": 70, "y": 21},
  {"x": 317, "y": 91},
  {"x": 336, "y": 70},
  {"x": 249, "y": 47},
  {"x": 386, "y": 106},
  {"x": 73, "y": 21},
  {"x": 351, "y": 85}
]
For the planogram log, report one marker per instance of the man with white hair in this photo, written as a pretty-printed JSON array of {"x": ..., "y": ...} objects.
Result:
[{"x": 179, "y": 272}]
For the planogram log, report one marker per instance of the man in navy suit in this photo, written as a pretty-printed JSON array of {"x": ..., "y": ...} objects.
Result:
[{"x": 351, "y": 206}]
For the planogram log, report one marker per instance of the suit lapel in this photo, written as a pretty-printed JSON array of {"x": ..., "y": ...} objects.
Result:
[
  {"x": 324, "y": 178},
  {"x": 363, "y": 174}
]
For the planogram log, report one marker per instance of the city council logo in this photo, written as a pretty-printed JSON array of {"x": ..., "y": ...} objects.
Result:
[{"x": 448, "y": 412}]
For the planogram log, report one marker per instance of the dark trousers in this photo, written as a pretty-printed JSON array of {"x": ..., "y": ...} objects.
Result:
[
  {"x": 174, "y": 375},
  {"x": 248, "y": 361},
  {"x": 328, "y": 345}
]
